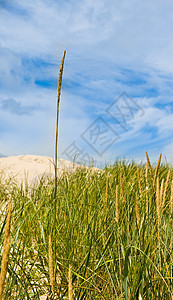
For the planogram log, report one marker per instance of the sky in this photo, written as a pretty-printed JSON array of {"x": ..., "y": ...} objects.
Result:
[{"x": 116, "y": 98}]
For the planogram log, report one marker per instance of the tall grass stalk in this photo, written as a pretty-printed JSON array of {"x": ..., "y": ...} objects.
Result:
[
  {"x": 122, "y": 189},
  {"x": 161, "y": 192},
  {"x": 158, "y": 215},
  {"x": 56, "y": 146},
  {"x": 171, "y": 200},
  {"x": 166, "y": 188},
  {"x": 137, "y": 211},
  {"x": 139, "y": 182},
  {"x": 117, "y": 205},
  {"x": 149, "y": 164},
  {"x": 107, "y": 189},
  {"x": 156, "y": 170},
  {"x": 171, "y": 204},
  {"x": 51, "y": 267},
  {"x": 158, "y": 200},
  {"x": 6, "y": 250},
  {"x": 70, "y": 285},
  {"x": 147, "y": 192}
]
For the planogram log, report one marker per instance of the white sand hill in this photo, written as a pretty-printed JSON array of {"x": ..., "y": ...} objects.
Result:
[{"x": 31, "y": 168}]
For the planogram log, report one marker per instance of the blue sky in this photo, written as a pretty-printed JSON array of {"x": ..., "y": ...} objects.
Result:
[{"x": 116, "y": 100}]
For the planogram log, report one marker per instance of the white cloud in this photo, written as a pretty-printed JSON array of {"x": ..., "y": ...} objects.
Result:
[{"x": 135, "y": 31}]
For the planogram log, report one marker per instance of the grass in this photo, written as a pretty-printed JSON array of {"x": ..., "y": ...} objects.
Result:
[
  {"x": 89, "y": 235},
  {"x": 105, "y": 239},
  {"x": 6, "y": 250}
]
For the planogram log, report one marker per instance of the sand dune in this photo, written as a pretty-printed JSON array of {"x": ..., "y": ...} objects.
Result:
[{"x": 31, "y": 168}]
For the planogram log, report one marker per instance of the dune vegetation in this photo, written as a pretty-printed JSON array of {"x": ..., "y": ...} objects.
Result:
[{"x": 109, "y": 238}]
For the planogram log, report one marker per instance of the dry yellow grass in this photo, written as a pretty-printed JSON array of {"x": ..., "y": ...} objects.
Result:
[
  {"x": 156, "y": 170},
  {"x": 158, "y": 199},
  {"x": 171, "y": 201},
  {"x": 74, "y": 158},
  {"x": 158, "y": 203},
  {"x": 51, "y": 267},
  {"x": 161, "y": 192},
  {"x": 139, "y": 182},
  {"x": 137, "y": 211},
  {"x": 166, "y": 188},
  {"x": 6, "y": 250},
  {"x": 171, "y": 204},
  {"x": 122, "y": 188},
  {"x": 117, "y": 205},
  {"x": 107, "y": 189},
  {"x": 70, "y": 285},
  {"x": 147, "y": 186},
  {"x": 149, "y": 164}
]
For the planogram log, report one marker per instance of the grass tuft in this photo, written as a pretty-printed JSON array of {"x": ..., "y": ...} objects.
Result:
[{"x": 92, "y": 237}]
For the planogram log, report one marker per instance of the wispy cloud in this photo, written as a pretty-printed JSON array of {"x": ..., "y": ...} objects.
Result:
[{"x": 16, "y": 107}]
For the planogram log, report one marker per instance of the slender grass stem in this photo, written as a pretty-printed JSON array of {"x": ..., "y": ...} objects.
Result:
[{"x": 56, "y": 148}]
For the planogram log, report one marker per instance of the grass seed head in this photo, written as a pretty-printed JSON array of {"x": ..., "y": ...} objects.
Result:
[
  {"x": 149, "y": 164},
  {"x": 157, "y": 169}
]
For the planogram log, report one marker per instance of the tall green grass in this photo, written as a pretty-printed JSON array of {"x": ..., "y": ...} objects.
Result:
[{"x": 111, "y": 254}]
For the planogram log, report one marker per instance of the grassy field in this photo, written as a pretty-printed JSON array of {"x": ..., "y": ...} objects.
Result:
[{"x": 106, "y": 235}]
